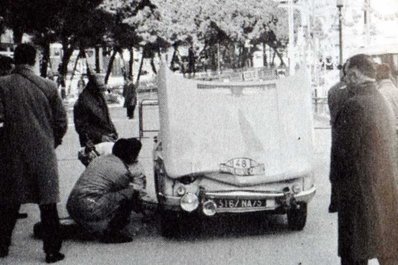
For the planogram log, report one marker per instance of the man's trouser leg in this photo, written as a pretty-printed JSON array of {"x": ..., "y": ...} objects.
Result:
[
  {"x": 351, "y": 261},
  {"x": 122, "y": 217},
  {"x": 8, "y": 219},
  {"x": 52, "y": 240}
]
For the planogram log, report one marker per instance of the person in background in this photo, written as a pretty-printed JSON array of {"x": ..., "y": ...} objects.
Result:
[
  {"x": 80, "y": 85},
  {"x": 6, "y": 66},
  {"x": 61, "y": 82},
  {"x": 91, "y": 114},
  {"x": 108, "y": 190},
  {"x": 337, "y": 97},
  {"x": 130, "y": 98},
  {"x": 34, "y": 124},
  {"x": 387, "y": 88},
  {"x": 364, "y": 167}
]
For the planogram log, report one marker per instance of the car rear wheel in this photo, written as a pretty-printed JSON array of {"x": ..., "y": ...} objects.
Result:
[{"x": 297, "y": 218}]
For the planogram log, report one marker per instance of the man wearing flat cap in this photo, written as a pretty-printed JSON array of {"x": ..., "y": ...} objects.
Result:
[{"x": 107, "y": 191}]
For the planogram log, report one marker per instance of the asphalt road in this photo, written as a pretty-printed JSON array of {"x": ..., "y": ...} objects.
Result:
[{"x": 252, "y": 239}]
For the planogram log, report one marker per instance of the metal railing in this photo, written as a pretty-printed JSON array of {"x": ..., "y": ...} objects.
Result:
[{"x": 142, "y": 104}]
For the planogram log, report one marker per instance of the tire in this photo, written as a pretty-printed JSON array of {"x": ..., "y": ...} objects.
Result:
[
  {"x": 169, "y": 224},
  {"x": 297, "y": 218}
]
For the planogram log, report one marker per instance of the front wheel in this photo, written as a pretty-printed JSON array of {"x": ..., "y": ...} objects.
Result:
[
  {"x": 169, "y": 225},
  {"x": 297, "y": 218}
]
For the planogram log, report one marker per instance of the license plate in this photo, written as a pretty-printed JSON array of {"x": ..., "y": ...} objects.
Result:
[{"x": 239, "y": 203}]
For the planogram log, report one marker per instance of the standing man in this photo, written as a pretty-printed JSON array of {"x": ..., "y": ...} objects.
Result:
[
  {"x": 6, "y": 66},
  {"x": 91, "y": 115},
  {"x": 34, "y": 125},
  {"x": 130, "y": 98},
  {"x": 337, "y": 96},
  {"x": 365, "y": 170}
]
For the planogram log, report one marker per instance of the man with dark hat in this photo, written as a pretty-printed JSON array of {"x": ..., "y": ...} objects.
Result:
[
  {"x": 91, "y": 114},
  {"x": 108, "y": 190},
  {"x": 364, "y": 168}
]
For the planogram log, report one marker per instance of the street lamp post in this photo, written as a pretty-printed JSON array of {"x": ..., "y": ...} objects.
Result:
[
  {"x": 339, "y": 4},
  {"x": 291, "y": 38}
]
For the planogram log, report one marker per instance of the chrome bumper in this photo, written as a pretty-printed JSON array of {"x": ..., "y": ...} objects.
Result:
[{"x": 275, "y": 199}]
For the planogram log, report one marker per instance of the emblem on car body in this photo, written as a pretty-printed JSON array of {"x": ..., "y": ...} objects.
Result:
[{"x": 242, "y": 166}]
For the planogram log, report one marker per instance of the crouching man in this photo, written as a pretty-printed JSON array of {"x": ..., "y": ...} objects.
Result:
[{"x": 107, "y": 191}]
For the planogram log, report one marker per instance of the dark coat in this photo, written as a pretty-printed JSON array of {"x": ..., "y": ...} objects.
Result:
[
  {"x": 130, "y": 95},
  {"x": 35, "y": 122},
  {"x": 337, "y": 96},
  {"x": 91, "y": 116},
  {"x": 365, "y": 169}
]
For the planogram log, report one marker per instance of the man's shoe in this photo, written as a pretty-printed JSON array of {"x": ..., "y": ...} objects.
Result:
[
  {"x": 116, "y": 238},
  {"x": 54, "y": 257},
  {"x": 333, "y": 208}
]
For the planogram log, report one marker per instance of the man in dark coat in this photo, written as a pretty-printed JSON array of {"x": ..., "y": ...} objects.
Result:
[
  {"x": 34, "y": 125},
  {"x": 337, "y": 96},
  {"x": 6, "y": 66},
  {"x": 91, "y": 115},
  {"x": 365, "y": 169},
  {"x": 130, "y": 98}
]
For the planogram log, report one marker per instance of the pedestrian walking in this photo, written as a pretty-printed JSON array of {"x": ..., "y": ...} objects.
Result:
[
  {"x": 387, "y": 88},
  {"x": 337, "y": 96},
  {"x": 130, "y": 98},
  {"x": 365, "y": 170},
  {"x": 108, "y": 190},
  {"x": 34, "y": 125},
  {"x": 91, "y": 114}
]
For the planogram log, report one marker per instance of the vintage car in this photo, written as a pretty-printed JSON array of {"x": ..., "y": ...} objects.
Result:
[{"x": 233, "y": 147}]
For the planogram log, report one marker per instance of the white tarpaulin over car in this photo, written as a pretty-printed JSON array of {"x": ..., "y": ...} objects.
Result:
[{"x": 242, "y": 128}]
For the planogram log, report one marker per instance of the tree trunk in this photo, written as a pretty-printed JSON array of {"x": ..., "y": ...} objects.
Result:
[
  {"x": 173, "y": 57},
  {"x": 124, "y": 69},
  {"x": 97, "y": 59},
  {"x": 67, "y": 49},
  {"x": 74, "y": 70},
  {"x": 153, "y": 64},
  {"x": 45, "y": 60},
  {"x": 131, "y": 63},
  {"x": 265, "y": 63},
  {"x": 140, "y": 69},
  {"x": 279, "y": 55},
  {"x": 110, "y": 65}
]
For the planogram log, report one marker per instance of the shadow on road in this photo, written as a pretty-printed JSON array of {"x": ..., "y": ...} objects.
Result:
[{"x": 227, "y": 226}]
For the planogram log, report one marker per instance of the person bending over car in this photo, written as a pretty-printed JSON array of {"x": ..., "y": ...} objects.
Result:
[
  {"x": 107, "y": 191},
  {"x": 91, "y": 114}
]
